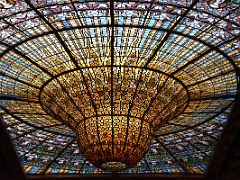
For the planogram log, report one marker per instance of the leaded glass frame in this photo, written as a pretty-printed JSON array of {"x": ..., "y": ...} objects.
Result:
[{"x": 195, "y": 42}]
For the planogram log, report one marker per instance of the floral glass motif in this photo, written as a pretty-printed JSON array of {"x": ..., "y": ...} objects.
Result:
[{"x": 176, "y": 62}]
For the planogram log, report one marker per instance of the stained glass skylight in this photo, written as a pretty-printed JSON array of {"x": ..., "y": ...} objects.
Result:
[{"x": 176, "y": 62}]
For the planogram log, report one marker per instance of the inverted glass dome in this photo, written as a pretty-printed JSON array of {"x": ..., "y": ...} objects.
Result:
[{"x": 140, "y": 86}]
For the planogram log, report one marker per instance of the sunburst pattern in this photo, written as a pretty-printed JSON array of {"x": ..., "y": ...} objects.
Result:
[{"x": 160, "y": 59}]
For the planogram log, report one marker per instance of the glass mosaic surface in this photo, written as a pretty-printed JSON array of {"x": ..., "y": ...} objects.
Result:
[{"x": 187, "y": 43}]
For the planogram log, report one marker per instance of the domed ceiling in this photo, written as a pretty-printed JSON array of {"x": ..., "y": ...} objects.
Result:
[{"x": 171, "y": 63}]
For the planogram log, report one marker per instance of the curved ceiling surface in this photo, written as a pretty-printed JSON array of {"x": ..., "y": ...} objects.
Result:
[{"x": 192, "y": 47}]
